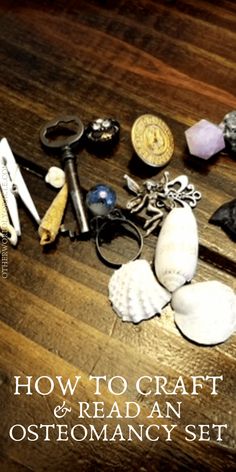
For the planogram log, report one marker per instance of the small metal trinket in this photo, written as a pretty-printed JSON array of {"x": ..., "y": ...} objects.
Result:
[
  {"x": 110, "y": 226},
  {"x": 152, "y": 140},
  {"x": 228, "y": 126},
  {"x": 102, "y": 134},
  {"x": 60, "y": 135},
  {"x": 157, "y": 197},
  {"x": 109, "y": 222}
]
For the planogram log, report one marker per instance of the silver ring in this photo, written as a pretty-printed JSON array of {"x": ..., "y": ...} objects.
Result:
[{"x": 106, "y": 228}]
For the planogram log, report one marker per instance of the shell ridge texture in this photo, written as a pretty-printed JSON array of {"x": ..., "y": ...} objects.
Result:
[{"x": 135, "y": 293}]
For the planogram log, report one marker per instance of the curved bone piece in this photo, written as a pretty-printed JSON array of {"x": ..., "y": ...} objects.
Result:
[{"x": 51, "y": 221}]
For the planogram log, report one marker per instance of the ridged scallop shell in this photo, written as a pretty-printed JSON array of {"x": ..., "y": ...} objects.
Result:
[
  {"x": 177, "y": 249},
  {"x": 55, "y": 177},
  {"x": 205, "y": 312},
  {"x": 135, "y": 293}
]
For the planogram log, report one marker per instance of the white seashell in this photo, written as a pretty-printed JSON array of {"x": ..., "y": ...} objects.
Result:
[
  {"x": 205, "y": 312},
  {"x": 135, "y": 293},
  {"x": 55, "y": 177},
  {"x": 177, "y": 249}
]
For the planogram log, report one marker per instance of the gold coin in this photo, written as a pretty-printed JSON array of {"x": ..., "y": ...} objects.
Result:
[{"x": 152, "y": 140}]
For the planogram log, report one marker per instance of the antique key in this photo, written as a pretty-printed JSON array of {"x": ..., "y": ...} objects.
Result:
[{"x": 60, "y": 135}]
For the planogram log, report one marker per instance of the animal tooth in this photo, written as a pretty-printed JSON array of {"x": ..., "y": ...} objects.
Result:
[
  {"x": 177, "y": 249},
  {"x": 55, "y": 177}
]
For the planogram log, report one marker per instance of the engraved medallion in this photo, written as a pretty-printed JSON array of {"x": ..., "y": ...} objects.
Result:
[{"x": 152, "y": 140}]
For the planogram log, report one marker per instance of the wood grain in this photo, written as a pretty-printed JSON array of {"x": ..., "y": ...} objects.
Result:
[{"x": 121, "y": 59}]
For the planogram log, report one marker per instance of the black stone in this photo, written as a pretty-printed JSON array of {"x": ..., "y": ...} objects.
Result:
[{"x": 225, "y": 217}]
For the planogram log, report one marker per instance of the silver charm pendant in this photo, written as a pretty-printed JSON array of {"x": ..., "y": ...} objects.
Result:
[{"x": 160, "y": 197}]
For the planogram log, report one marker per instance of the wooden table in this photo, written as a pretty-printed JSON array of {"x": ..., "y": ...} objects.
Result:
[{"x": 175, "y": 60}]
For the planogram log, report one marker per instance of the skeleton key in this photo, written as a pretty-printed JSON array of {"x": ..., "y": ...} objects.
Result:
[{"x": 59, "y": 135}]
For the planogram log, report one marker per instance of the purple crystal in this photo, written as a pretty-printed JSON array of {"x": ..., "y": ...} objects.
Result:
[{"x": 204, "y": 139}]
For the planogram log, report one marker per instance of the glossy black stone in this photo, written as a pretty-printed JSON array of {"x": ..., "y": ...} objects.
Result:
[{"x": 225, "y": 217}]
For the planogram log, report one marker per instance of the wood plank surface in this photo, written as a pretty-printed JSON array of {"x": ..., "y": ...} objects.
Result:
[{"x": 121, "y": 59}]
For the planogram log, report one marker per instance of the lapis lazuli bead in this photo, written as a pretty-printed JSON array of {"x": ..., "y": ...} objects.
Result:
[{"x": 101, "y": 199}]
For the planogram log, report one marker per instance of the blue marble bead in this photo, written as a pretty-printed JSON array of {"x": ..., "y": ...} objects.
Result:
[{"x": 101, "y": 199}]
